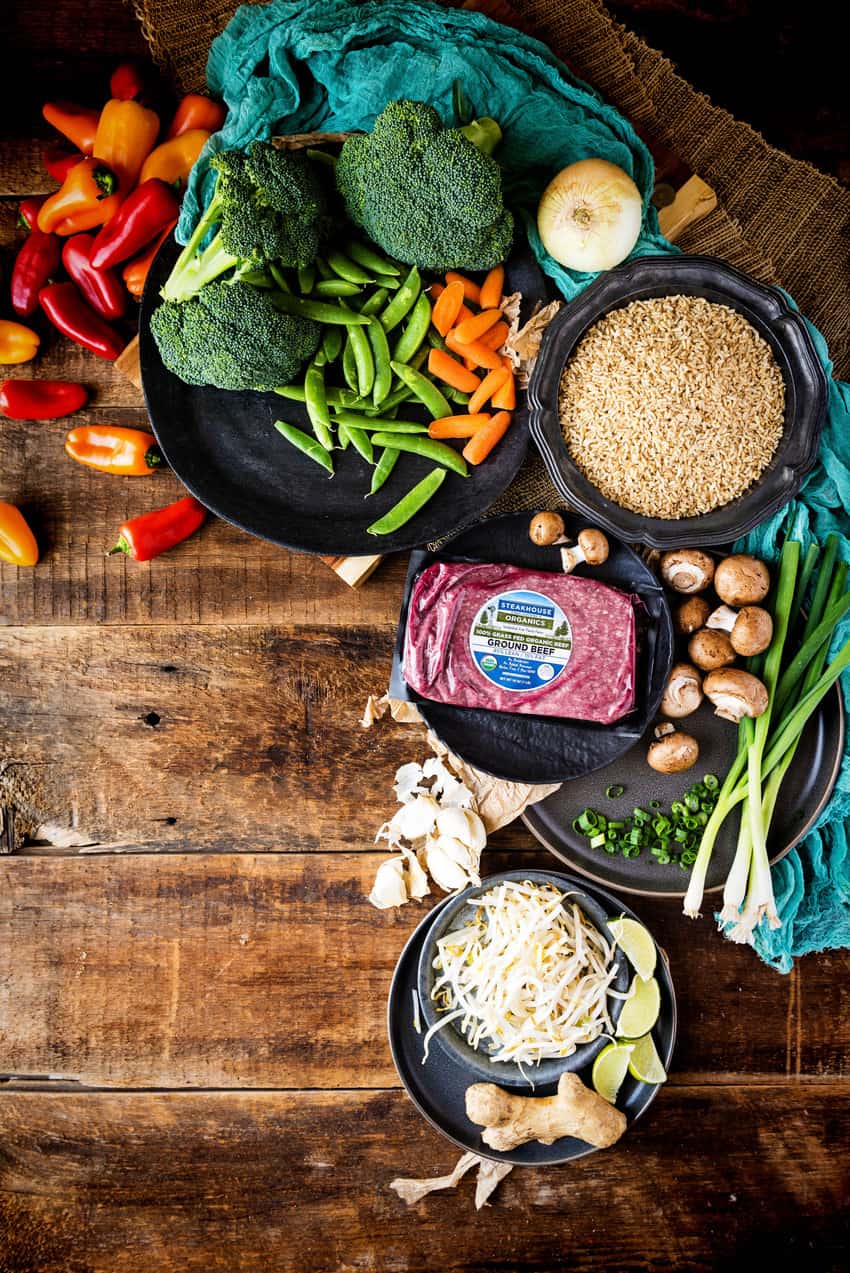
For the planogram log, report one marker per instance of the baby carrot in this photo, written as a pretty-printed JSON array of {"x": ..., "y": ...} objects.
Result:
[
  {"x": 481, "y": 443},
  {"x": 457, "y": 426},
  {"x": 496, "y": 336},
  {"x": 480, "y": 354},
  {"x": 471, "y": 291},
  {"x": 447, "y": 307},
  {"x": 449, "y": 370},
  {"x": 491, "y": 288},
  {"x": 505, "y": 396},
  {"x": 493, "y": 381},
  {"x": 471, "y": 328}
]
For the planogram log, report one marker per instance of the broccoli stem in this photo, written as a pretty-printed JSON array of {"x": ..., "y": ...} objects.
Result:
[
  {"x": 484, "y": 133},
  {"x": 193, "y": 268}
]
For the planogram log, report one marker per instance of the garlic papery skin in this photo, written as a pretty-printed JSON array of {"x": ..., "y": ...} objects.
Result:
[{"x": 589, "y": 216}]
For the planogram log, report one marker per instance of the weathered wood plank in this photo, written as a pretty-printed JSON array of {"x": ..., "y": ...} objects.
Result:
[
  {"x": 225, "y": 970},
  {"x": 298, "y": 1182}
]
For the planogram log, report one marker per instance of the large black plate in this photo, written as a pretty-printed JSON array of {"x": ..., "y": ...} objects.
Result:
[
  {"x": 225, "y": 450},
  {"x": 544, "y": 748},
  {"x": 803, "y": 796},
  {"x": 438, "y": 1087},
  {"x": 784, "y": 329}
]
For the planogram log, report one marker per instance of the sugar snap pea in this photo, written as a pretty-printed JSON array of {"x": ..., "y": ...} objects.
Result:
[
  {"x": 375, "y": 303},
  {"x": 310, "y": 447},
  {"x": 306, "y": 278},
  {"x": 381, "y": 353},
  {"x": 383, "y": 468},
  {"x": 395, "y": 399},
  {"x": 415, "y": 331},
  {"x": 322, "y": 268},
  {"x": 279, "y": 277},
  {"x": 435, "y": 339},
  {"x": 257, "y": 278},
  {"x": 424, "y": 389},
  {"x": 382, "y": 424},
  {"x": 457, "y": 395},
  {"x": 370, "y": 259},
  {"x": 317, "y": 405},
  {"x": 319, "y": 311},
  {"x": 349, "y": 366},
  {"x": 361, "y": 441},
  {"x": 408, "y": 505},
  {"x": 403, "y": 301},
  {"x": 439, "y": 452},
  {"x": 348, "y": 269},
  {"x": 336, "y": 397},
  {"x": 332, "y": 339},
  {"x": 363, "y": 360},
  {"x": 336, "y": 287}
]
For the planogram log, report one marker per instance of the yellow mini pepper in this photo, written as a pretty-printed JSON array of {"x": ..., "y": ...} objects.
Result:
[
  {"x": 126, "y": 134},
  {"x": 17, "y": 542},
  {"x": 173, "y": 160},
  {"x": 17, "y": 343}
]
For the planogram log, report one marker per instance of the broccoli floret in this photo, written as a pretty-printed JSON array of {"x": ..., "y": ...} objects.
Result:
[
  {"x": 269, "y": 206},
  {"x": 231, "y": 335},
  {"x": 428, "y": 195}
]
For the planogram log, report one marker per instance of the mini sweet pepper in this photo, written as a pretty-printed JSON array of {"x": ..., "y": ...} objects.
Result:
[
  {"x": 17, "y": 542},
  {"x": 114, "y": 449},
  {"x": 153, "y": 533},
  {"x": 126, "y": 134},
  {"x": 17, "y": 343},
  {"x": 85, "y": 199},
  {"x": 142, "y": 217}
]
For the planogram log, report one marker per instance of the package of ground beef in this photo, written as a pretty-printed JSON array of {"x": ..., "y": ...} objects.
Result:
[{"x": 515, "y": 640}]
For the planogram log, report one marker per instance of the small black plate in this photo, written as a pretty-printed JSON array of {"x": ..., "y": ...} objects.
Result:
[
  {"x": 544, "y": 749},
  {"x": 803, "y": 796},
  {"x": 224, "y": 449},
  {"x": 766, "y": 309},
  {"x": 438, "y": 1087}
]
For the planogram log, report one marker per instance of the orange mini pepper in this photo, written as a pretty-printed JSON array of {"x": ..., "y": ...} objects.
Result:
[
  {"x": 197, "y": 111},
  {"x": 113, "y": 449},
  {"x": 135, "y": 272},
  {"x": 126, "y": 134},
  {"x": 17, "y": 542},
  {"x": 85, "y": 199},
  {"x": 174, "y": 159},
  {"x": 77, "y": 123},
  {"x": 17, "y": 343}
]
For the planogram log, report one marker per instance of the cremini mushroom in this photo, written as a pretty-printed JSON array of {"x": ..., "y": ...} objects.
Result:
[
  {"x": 592, "y": 547},
  {"x": 742, "y": 580},
  {"x": 710, "y": 650},
  {"x": 547, "y": 528},
  {"x": 691, "y": 615},
  {"x": 687, "y": 569},
  {"x": 673, "y": 751},
  {"x": 683, "y": 691},
  {"x": 750, "y": 629},
  {"x": 735, "y": 693}
]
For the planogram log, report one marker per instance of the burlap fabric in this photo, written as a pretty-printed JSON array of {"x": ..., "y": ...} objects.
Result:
[{"x": 778, "y": 218}]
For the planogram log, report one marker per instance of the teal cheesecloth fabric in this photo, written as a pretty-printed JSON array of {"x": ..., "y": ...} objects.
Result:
[{"x": 332, "y": 65}]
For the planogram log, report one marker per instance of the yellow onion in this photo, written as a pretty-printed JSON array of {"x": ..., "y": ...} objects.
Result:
[{"x": 589, "y": 215}]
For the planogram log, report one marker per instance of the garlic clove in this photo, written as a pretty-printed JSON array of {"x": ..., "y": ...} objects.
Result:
[
  {"x": 389, "y": 888},
  {"x": 416, "y": 818},
  {"x": 477, "y": 832},
  {"x": 416, "y": 878},
  {"x": 407, "y": 780},
  {"x": 444, "y": 868}
]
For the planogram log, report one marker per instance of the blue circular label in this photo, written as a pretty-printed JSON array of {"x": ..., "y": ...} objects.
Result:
[{"x": 521, "y": 640}]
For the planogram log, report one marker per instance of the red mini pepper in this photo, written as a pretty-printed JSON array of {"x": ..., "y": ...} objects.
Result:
[
  {"x": 77, "y": 123},
  {"x": 28, "y": 210},
  {"x": 142, "y": 216},
  {"x": 35, "y": 264},
  {"x": 153, "y": 533},
  {"x": 197, "y": 111},
  {"x": 58, "y": 161},
  {"x": 127, "y": 81},
  {"x": 41, "y": 399},
  {"x": 103, "y": 289},
  {"x": 70, "y": 315}
]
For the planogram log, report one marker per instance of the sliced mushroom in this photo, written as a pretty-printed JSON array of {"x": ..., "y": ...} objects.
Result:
[
  {"x": 742, "y": 580},
  {"x": 592, "y": 547},
  {"x": 750, "y": 629},
  {"x": 673, "y": 751},
  {"x": 687, "y": 569},
  {"x": 683, "y": 691},
  {"x": 710, "y": 650},
  {"x": 691, "y": 615},
  {"x": 735, "y": 693},
  {"x": 547, "y": 528}
]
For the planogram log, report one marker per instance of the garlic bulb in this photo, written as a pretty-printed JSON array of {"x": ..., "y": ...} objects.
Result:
[{"x": 589, "y": 216}]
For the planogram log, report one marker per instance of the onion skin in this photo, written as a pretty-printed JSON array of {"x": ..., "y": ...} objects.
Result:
[{"x": 589, "y": 216}]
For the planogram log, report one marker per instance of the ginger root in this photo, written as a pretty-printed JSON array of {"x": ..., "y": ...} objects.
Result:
[{"x": 575, "y": 1110}]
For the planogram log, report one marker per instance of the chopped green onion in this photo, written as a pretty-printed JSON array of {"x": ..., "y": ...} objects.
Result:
[{"x": 614, "y": 791}]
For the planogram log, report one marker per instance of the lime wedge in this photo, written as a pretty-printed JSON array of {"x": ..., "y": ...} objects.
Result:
[
  {"x": 640, "y": 1010},
  {"x": 636, "y": 944},
  {"x": 609, "y": 1069},
  {"x": 645, "y": 1063}
]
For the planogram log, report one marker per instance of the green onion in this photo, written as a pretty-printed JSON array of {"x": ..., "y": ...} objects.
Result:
[{"x": 614, "y": 791}]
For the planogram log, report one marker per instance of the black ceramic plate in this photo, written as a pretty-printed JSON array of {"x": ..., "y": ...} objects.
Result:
[
  {"x": 803, "y": 796},
  {"x": 806, "y": 389},
  {"x": 438, "y": 1087},
  {"x": 544, "y": 748},
  {"x": 224, "y": 448}
]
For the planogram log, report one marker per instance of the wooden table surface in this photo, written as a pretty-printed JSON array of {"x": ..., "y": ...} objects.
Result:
[{"x": 194, "y": 1065}]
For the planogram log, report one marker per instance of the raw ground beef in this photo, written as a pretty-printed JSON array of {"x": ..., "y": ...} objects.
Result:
[{"x": 515, "y": 640}]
